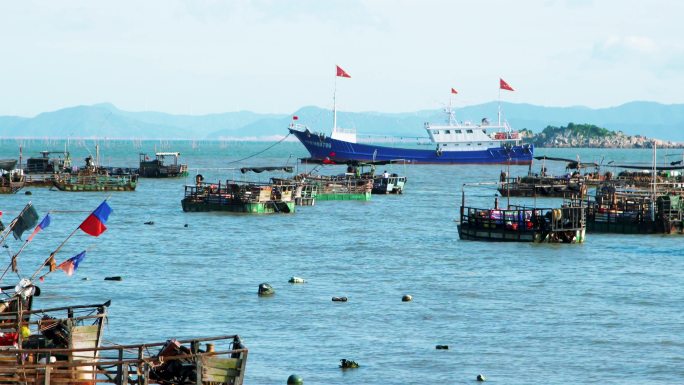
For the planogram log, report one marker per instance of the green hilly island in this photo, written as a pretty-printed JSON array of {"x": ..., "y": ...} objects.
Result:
[{"x": 591, "y": 136}]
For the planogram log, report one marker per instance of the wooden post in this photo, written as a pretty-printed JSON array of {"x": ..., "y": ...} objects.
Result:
[
  {"x": 124, "y": 373},
  {"x": 241, "y": 374},
  {"x": 198, "y": 369},
  {"x": 141, "y": 372},
  {"x": 119, "y": 374},
  {"x": 194, "y": 348},
  {"x": 146, "y": 371},
  {"x": 47, "y": 374}
]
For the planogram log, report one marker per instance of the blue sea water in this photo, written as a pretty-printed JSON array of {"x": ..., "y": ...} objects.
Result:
[{"x": 607, "y": 311}]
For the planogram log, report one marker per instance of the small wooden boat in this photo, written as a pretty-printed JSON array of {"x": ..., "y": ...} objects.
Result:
[
  {"x": 564, "y": 224},
  {"x": 239, "y": 197},
  {"x": 8, "y": 164},
  {"x": 221, "y": 361},
  {"x": 63, "y": 346},
  {"x": 12, "y": 181},
  {"x": 46, "y": 164},
  {"x": 304, "y": 193},
  {"x": 636, "y": 211},
  {"x": 385, "y": 183},
  {"x": 94, "y": 178},
  {"x": 341, "y": 188},
  {"x": 26, "y": 335},
  {"x": 388, "y": 184},
  {"x": 40, "y": 171},
  {"x": 160, "y": 168}
]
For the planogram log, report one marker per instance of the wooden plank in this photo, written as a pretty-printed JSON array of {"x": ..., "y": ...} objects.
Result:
[
  {"x": 79, "y": 381},
  {"x": 84, "y": 333},
  {"x": 85, "y": 329},
  {"x": 219, "y": 378},
  {"x": 219, "y": 370},
  {"x": 16, "y": 379},
  {"x": 78, "y": 370},
  {"x": 84, "y": 337},
  {"x": 198, "y": 365},
  {"x": 243, "y": 362},
  {"x": 223, "y": 373},
  {"x": 222, "y": 363}
]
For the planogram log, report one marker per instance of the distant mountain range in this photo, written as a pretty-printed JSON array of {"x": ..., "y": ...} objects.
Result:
[{"x": 655, "y": 120}]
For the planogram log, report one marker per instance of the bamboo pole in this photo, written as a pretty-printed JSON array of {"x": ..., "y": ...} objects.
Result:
[
  {"x": 52, "y": 255},
  {"x": 16, "y": 255},
  {"x": 6, "y": 233},
  {"x": 10, "y": 227}
]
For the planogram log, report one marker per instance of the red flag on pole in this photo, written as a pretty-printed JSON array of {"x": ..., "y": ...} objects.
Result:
[
  {"x": 341, "y": 73},
  {"x": 453, "y": 91},
  {"x": 504, "y": 86}
]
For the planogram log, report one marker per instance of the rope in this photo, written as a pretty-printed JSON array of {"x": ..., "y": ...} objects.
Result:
[{"x": 262, "y": 151}]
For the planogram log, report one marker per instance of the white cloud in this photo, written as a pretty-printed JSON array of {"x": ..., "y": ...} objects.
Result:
[{"x": 620, "y": 45}]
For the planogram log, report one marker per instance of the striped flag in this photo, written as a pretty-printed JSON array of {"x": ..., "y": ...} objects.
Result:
[
  {"x": 70, "y": 265},
  {"x": 41, "y": 226}
]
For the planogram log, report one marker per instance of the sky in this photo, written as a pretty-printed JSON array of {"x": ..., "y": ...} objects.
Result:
[{"x": 275, "y": 56}]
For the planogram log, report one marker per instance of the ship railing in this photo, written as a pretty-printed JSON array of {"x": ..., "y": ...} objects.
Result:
[
  {"x": 241, "y": 191},
  {"x": 525, "y": 219},
  {"x": 618, "y": 214},
  {"x": 299, "y": 126},
  {"x": 341, "y": 183},
  {"x": 221, "y": 361},
  {"x": 63, "y": 326},
  {"x": 104, "y": 180}
]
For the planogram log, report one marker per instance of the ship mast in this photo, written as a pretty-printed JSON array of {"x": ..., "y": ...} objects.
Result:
[
  {"x": 498, "y": 114},
  {"x": 335, "y": 106},
  {"x": 451, "y": 111}
]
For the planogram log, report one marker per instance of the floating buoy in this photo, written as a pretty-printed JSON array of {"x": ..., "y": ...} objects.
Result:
[
  {"x": 115, "y": 278},
  {"x": 185, "y": 225},
  {"x": 28, "y": 193},
  {"x": 339, "y": 299},
  {"x": 406, "y": 298},
  {"x": 481, "y": 377},
  {"x": 295, "y": 380},
  {"x": 348, "y": 364},
  {"x": 266, "y": 289},
  {"x": 442, "y": 347},
  {"x": 296, "y": 280},
  {"x": 149, "y": 223}
]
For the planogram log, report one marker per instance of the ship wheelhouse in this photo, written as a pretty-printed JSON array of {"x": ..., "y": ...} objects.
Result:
[{"x": 466, "y": 136}]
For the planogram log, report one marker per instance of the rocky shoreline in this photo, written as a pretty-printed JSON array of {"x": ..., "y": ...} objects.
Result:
[{"x": 590, "y": 136}]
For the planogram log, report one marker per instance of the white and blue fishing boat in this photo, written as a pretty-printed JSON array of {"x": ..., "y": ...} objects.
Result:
[{"x": 454, "y": 143}]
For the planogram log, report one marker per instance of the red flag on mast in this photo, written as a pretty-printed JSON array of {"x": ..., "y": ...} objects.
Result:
[
  {"x": 341, "y": 73},
  {"x": 504, "y": 86},
  {"x": 453, "y": 91},
  {"x": 94, "y": 224}
]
